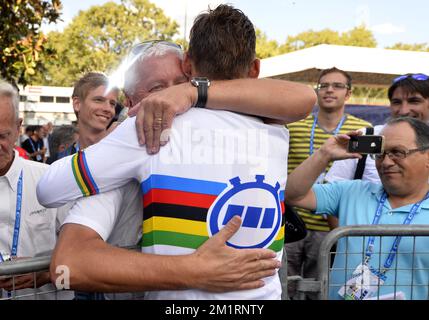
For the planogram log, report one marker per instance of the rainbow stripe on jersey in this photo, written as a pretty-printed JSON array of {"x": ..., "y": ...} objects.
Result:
[
  {"x": 175, "y": 211},
  {"x": 82, "y": 175}
]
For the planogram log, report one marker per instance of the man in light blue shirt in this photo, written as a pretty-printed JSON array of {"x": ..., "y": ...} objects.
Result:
[{"x": 400, "y": 199}]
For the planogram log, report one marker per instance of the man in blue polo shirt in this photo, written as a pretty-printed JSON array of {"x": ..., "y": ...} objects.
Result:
[{"x": 402, "y": 198}]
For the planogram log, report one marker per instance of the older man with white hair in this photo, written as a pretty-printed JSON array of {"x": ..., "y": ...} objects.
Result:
[{"x": 27, "y": 229}]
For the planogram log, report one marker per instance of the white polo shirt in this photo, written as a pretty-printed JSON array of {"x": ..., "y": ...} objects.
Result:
[
  {"x": 37, "y": 232},
  {"x": 38, "y": 224},
  {"x": 121, "y": 221}
]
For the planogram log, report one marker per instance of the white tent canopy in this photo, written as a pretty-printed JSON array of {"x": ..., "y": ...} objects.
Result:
[{"x": 368, "y": 66}]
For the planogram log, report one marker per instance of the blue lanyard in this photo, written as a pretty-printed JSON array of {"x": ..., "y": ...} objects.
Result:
[
  {"x": 395, "y": 245},
  {"x": 33, "y": 146},
  {"x": 17, "y": 226},
  {"x": 313, "y": 129}
]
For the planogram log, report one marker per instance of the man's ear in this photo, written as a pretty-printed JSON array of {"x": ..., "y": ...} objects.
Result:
[
  {"x": 187, "y": 65},
  {"x": 255, "y": 68},
  {"x": 76, "y": 104},
  {"x": 427, "y": 159},
  {"x": 348, "y": 94},
  {"x": 19, "y": 124}
]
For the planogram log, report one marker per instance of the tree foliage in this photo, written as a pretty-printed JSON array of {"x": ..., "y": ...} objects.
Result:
[
  {"x": 410, "y": 47},
  {"x": 358, "y": 36},
  {"x": 98, "y": 38},
  {"x": 265, "y": 48},
  {"x": 21, "y": 41}
]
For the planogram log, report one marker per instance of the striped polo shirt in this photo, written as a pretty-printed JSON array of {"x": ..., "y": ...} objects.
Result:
[{"x": 299, "y": 150}]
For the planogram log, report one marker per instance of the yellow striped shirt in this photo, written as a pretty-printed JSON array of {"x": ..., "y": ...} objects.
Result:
[{"x": 299, "y": 150}]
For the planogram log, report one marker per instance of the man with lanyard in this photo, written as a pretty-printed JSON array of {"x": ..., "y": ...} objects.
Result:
[
  {"x": 34, "y": 144},
  {"x": 306, "y": 136},
  {"x": 401, "y": 198},
  {"x": 27, "y": 229}
]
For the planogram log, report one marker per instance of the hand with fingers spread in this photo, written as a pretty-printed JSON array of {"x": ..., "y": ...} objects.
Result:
[
  {"x": 220, "y": 268},
  {"x": 155, "y": 114}
]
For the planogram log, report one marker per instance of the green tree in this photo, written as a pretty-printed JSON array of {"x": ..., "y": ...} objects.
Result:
[
  {"x": 410, "y": 47},
  {"x": 21, "y": 41},
  {"x": 309, "y": 39},
  {"x": 358, "y": 36},
  {"x": 265, "y": 48},
  {"x": 98, "y": 38}
]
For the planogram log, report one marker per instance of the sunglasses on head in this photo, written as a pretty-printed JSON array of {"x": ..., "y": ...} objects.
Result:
[
  {"x": 145, "y": 45},
  {"x": 416, "y": 76}
]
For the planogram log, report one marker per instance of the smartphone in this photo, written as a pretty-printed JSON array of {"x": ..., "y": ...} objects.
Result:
[{"x": 368, "y": 144}]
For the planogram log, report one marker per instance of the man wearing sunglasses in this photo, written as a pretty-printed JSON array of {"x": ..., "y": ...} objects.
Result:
[
  {"x": 178, "y": 197},
  {"x": 408, "y": 96},
  {"x": 401, "y": 198}
]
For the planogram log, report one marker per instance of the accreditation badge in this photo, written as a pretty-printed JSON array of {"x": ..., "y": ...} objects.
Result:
[
  {"x": 6, "y": 256},
  {"x": 363, "y": 284}
]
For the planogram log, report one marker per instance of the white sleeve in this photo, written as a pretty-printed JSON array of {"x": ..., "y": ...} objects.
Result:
[
  {"x": 104, "y": 166},
  {"x": 342, "y": 170},
  {"x": 99, "y": 212}
]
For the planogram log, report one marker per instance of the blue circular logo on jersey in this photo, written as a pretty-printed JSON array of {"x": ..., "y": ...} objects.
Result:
[{"x": 258, "y": 205}]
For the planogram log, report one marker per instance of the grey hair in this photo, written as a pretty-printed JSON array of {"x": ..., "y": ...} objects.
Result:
[
  {"x": 420, "y": 128},
  {"x": 158, "y": 49},
  {"x": 7, "y": 90},
  {"x": 62, "y": 135}
]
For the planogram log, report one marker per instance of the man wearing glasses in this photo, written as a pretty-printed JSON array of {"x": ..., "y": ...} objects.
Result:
[
  {"x": 306, "y": 136},
  {"x": 408, "y": 96},
  {"x": 401, "y": 198},
  {"x": 178, "y": 196}
]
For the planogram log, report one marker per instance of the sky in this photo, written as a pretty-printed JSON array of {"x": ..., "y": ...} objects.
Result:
[{"x": 391, "y": 21}]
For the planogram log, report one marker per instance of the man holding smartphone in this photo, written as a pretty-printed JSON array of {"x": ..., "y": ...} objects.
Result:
[
  {"x": 408, "y": 96},
  {"x": 401, "y": 198}
]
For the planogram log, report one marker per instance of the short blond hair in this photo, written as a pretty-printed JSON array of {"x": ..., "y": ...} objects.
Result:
[{"x": 88, "y": 82}]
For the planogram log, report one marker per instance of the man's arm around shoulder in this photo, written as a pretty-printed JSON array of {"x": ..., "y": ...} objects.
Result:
[{"x": 95, "y": 265}]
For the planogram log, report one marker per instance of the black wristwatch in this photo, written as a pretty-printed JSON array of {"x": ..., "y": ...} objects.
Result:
[{"x": 202, "y": 85}]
